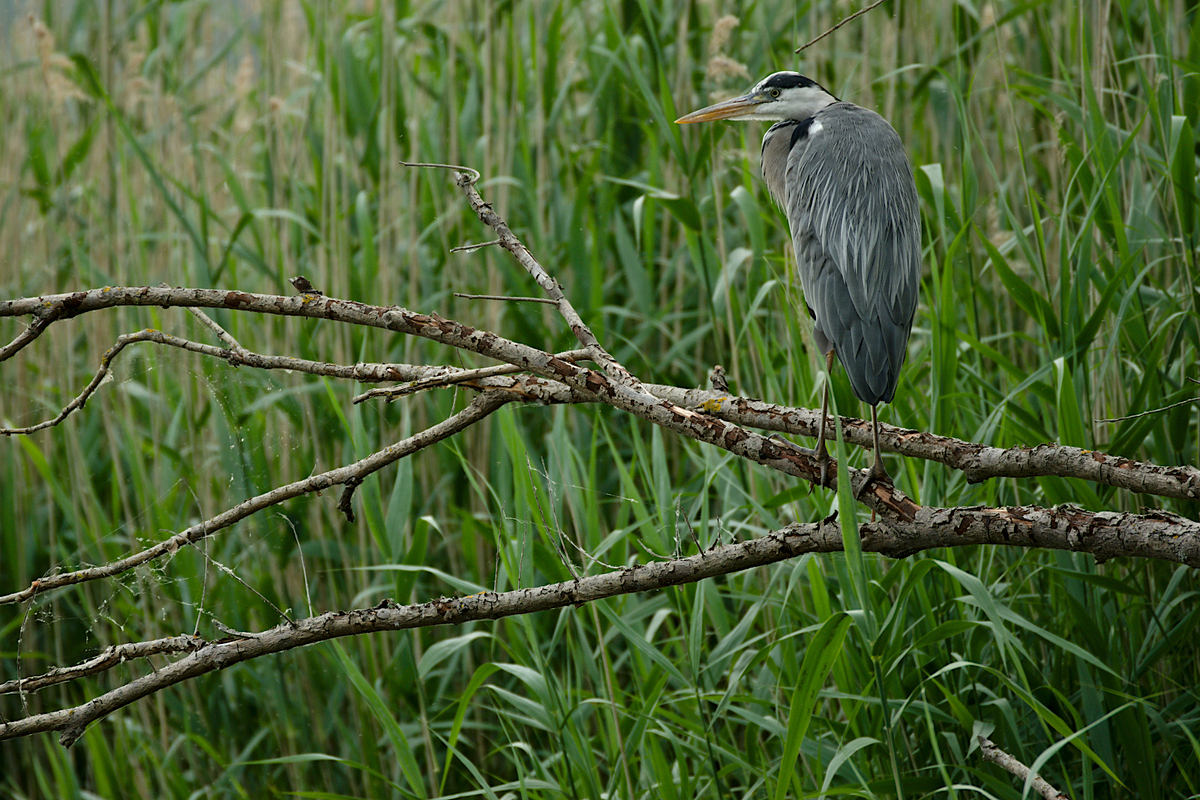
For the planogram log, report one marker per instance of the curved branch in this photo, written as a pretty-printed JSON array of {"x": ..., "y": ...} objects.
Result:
[
  {"x": 106, "y": 660},
  {"x": 479, "y": 408},
  {"x": 488, "y": 216},
  {"x": 238, "y": 356},
  {"x": 1064, "y": 528},
  {"x": 592, "y": 383},
  {"x": 978, "y": 462}
]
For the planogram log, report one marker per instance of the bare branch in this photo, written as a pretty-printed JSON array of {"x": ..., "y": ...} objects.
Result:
[
  {"x": 363, "y": 373},
  {"x": 702, "y": 427},
  {"x": 630, "y": 398},
  {"x": 1101, "y": 534},
  {"x": 480, "y": 407},
  {"x": 210, "y": 323},
  {"x": 1186, "y": 402},
  {"x": 452, "y": 376},
  {"x": 387, "y": 616},
  {"x": 545, "y": 300},
  {"x": 978, "y": 462},
  {"x": 471, "y": 248},
  {"x": 474, "y": 176},
  {"x": 549, "y": 285},
  {"x": 995, "y": 755},
  {"x": 112, "y": 656},
  {"x": 31, "y": 332},
  {"x": 1065, "y": 528}
]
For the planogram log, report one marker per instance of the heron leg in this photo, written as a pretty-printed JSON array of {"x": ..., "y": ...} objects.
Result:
[
  {"x": 822, "y": 454},
  {"x": 878, "y": 473},
  {"x": 819, "y": 452}
]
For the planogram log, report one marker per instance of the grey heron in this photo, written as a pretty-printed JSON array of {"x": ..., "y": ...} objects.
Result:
[{"x": 840, "y": 174}]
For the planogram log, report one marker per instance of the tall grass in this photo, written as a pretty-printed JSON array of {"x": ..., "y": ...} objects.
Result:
[{"x": 237, "y": 145}]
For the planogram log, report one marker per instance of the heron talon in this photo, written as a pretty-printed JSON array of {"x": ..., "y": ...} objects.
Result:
[
  {"x": 819, "y": 453},
  {"x": 876, "y": 474},
  {"x": 778, "y": 437},
  {"x": 823, "y": 459},
  {"x": 824, "y": 462}
]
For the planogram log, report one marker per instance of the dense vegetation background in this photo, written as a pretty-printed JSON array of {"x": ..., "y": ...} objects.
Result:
[{"x": 243, "y": 143}]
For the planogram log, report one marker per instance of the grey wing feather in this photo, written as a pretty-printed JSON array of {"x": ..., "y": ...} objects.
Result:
[{"x": 852, "y": 208}]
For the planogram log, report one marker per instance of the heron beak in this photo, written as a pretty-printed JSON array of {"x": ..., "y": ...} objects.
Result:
[{"x": 729, "y": 109}]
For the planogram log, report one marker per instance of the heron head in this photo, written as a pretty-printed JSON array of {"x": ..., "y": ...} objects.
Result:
[{"x": 783, "y": 95}]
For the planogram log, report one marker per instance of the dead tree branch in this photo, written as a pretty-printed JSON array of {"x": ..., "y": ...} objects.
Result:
[
  {"x": 612, "y": 368},
  {"x": 1066, "y": 528},
  {"x": 997, "y": 756},
  {"x": 451, "y": 376},
  {"x": 479, "y": 408},
  {"x": 592, "y": 383},
  {"x": 977, "y": 462},
  {"x": 713, "y": 417},
  {"x": 109, "y": 658},
  {"x": 817, "y": 537}
]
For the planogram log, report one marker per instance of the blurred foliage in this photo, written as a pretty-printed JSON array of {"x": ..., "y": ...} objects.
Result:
[{"x": 238, "y": 144}]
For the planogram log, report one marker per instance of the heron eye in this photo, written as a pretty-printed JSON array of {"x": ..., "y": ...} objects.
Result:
[{"x": 774, "y": 93}]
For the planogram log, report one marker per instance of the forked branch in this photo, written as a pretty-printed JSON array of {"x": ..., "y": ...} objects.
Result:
[
  {"x": 714, "y": 417},
  {"x": 352, "y": 474},
  {"x": 1069, "y": 529}
]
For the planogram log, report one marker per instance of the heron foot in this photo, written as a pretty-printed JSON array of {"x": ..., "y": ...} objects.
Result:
[
  {"x": 819, "y": 453},
  {"x": 823, "y": 460},
  {"x": 876, "y": 474}
]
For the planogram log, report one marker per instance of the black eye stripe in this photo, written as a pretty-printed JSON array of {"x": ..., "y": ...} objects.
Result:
[{"x": 787, "y": 80}]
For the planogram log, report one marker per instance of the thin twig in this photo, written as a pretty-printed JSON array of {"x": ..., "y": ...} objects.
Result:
[
  {"x": 222, "y": 568},
  {"x": 506, "y": 298},
  {"x": 454, "y": 167},
  {"x": 452, "y": 376},
  {"x": 858, "y": 13},
  {"x": 554, "y": 530},
  {"x": 362, "y": 372},
  {"x": 471, "y": 248},
  {"x": 488, "y": 216},
  {"x": 101, "y": 375},
  {"x": 32, "y": 331},
  {"x": 1153, "y": 410}
]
